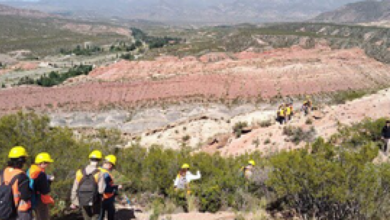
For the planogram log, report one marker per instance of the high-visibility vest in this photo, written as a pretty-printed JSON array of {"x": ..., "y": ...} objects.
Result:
[
  {"x": 105, "y": 194},
  {"x": 33, "y": 174},
  {"x": 281, "y": 112},
  {"x": 288, "y": 111},
  {"x": 8, "y": 174}
]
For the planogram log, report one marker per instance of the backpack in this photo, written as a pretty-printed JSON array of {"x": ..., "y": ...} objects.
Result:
[
  {"x": 7, "y": 203},
  {"x": 88, "y": 189}
]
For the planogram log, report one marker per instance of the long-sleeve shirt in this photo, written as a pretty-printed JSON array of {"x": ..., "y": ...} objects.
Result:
[
  {"x": 101, "y": 184},
  {"x": 181, "y": 182},
  {"x": 386, "y": 132}
]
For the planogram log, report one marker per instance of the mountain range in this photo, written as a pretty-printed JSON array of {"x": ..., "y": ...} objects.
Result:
[
  {"x": 359, "y": 12},
  {"x": 205, "y": 11}
]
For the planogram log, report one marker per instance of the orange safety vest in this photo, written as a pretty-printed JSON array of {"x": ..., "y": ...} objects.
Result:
[
  {"x": 9, "y": 173},
  {"x": 34, "y": 173},
  {"x": 107, "y": 195}
]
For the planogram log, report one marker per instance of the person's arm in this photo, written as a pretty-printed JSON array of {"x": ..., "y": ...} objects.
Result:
[
  {"x": 24, "y": 188},
  {"x": 383, "y": 132},
  {"x": 191, "y": 177},
  {"x": 73, "y": 198}
]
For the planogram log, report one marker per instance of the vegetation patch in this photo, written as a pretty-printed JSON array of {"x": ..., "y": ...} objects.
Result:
[
  {"x": 56, "y": 78},
  {"x": 327, "y": 180}
]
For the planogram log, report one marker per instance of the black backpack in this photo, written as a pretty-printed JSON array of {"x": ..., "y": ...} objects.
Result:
[
  {"x": 7, "y": 203},
  {"x": 88, "y": 189}
]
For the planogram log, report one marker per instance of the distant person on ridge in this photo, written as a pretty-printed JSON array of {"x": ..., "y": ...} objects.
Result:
[
  {"x": 386, "y": 136},
  {"x": 281, "y": 114},
  {"x": 247, "y": 171},
  {"x": 88, "y": 188},
  {"x": 15, "y": 193},
  {"x": 40, "y": 185},
  {"x": 184, "y": 178},
  {"x": 111, "y": 189},
  {"x": 307, "y": 105},
  {"x": 291, "y": 110}
]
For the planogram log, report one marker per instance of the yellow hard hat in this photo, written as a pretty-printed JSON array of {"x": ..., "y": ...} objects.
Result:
[
  {"x": 185, "y": 166},
  {"x": 17, "y": 152},
  {"x": 252, "y": 162},
  {"x": 96, "y": 154},
  {"x": 43, "y": 158},
  {"x": 110, "y": 159}
]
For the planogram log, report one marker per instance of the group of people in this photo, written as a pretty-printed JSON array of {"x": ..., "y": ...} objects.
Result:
[
  {"x": 27, "y": 194},
  {"x": 24, "y": 194},
  {"x": 286, "y": 111}
]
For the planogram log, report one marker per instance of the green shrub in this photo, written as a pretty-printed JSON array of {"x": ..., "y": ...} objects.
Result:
[
  {"x": 324, "y": 180},
  {"x": 237, "y": 128},
  {"x": 55, "y": 78},
  {"x": 210, "y": 198},
  {"x": 297, "y": 134}
]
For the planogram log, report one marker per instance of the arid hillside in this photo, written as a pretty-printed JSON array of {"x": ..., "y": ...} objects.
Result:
[{"x": 213, "y": 77}]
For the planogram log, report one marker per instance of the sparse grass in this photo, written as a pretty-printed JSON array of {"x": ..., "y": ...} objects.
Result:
[
  {"x": 44, "y": 36},
  {"x": 297, "y": 134},
  {"x": 309, "y": 121},
  {"x": 256, "y": 142},
  {"x": 345, "y": 96},
  {"x": 265, "y": 124}
]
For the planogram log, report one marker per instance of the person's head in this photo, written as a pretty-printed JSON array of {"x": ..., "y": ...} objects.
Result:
[
  {"x": 43, "y": 160},
  {"x": 388, "y": 123},
  {"x": 184, "y": 168},
  {"x": 95, "y": 157},
  {"x": 17, "y": 157},
  {"x": 251, "y": 163},
  {"x": 109, "y": 162}
]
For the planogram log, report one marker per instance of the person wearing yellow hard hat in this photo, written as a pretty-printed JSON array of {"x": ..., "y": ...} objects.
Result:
[
  {"x": 40, "y": 186},
  {"x": 184, "y": 178},
  {"x": 88, "y": 188},
  {"x": 14, "y": 181},
  {"x": 248, "y": 169},
  {"x": 111, "y": 190}
]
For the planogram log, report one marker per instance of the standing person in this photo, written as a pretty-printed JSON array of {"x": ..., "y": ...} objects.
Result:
[
  {"x": 291, "y": 109},
  {"x": 15, "y": 193},
  {"x": 111, "y": 189},
  {"x": 287, "y": 109},
  {"x": 184, "y": 178},
  {"x": 386, "y": 136},
  {"x": 88, "y": 188},
  {"x": 40, "y": 185},
  {"x": 281, "y": 117},
  {"x": 248, "y": 169}
]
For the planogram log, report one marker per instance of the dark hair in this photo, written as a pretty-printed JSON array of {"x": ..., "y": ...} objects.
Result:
[
  {"x": 388, "y": 121},
  {"x": 17, "y": 163},
  {"x": 95, "y": 160}
]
